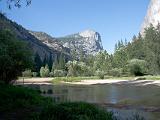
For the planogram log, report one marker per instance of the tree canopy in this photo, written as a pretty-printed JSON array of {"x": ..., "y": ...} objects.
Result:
[{"x": 14, "y": 56}]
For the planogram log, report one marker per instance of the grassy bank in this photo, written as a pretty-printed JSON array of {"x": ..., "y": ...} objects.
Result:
[
  {"x": 19, "y": 103},
  {"x": 73, "y": 79}
]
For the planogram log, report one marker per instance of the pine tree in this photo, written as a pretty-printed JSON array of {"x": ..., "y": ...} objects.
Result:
[
  {"x": 37, "y": 62},
  {"x": 50, "y": 61},
  {"x": 55, "y": 65},
  {"x": 81, "y": 59},
  {"x": 61, "y": 62}
]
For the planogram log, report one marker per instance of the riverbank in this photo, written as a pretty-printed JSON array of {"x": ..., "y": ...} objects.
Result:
[
  {"x": 112, "y": 81},
  {"x": 89, "y": 81}
]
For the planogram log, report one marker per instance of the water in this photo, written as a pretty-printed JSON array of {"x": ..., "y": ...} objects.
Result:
[{"x": 123, "y": 100}]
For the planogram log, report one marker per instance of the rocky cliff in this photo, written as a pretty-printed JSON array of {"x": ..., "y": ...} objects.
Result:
[
  {"x": 50, "y": 41},
  {"x": 153, "y": 15},
  {"x": 88, "y": 42}
]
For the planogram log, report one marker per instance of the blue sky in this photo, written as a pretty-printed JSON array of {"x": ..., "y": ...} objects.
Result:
[{"x": 113, "y": 19}]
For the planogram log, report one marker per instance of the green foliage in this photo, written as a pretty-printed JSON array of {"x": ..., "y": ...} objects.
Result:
[
  {"x": 37, "y": 62},
  {"x": 74, "y": 111},
  {"x": 137, "y": 67},
  {"x": 102, "y": 62},
  {"x": 59, "y": 73},
  {"x": 61, "y": 62},
  {"x": 100, "y": 74},
  {"x": 72, "y": 79},
  {"x": 34, "y": 74},
  {"x": 44, "y": 71},
  {"x": 116, "y": 72},
  {"x": 14, "y": 57},
  {"x": 51, "y": 74},
  {"x": 27, "y": 73},
  {"x": 120, "y": 57},
  {"x": 20, "y": 102},
  {"x": 76, "y": 68}
]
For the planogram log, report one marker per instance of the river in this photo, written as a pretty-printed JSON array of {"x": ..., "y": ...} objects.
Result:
[{"x": 123, "y": 100}]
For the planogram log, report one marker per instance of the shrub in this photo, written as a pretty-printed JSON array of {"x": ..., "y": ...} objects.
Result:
[
  {"x": 44, "y": 71},
  {"x": 34, "y": 74},
  {"x": 76, "y": 68},
  {"x": 115, "y": 72},
  {"x": 100, "y": 74},
  {"x": 74, "y": 111},
  {"x": 59, "y": 73},
  {"x": 27, "y": 73},
  {"x": 51, "y": 74},
  {"x": 137, "y": 67}
]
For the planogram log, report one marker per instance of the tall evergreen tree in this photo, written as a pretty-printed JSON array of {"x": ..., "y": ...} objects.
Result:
[
  {"x": 37, "y": 62},
  {"x": 55, "y": 65},
  {"x": 50, "y": 61},
  {"x": 61, "y": 62}
]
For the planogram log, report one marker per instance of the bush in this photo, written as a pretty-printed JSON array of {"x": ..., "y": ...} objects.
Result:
[
  {"x": 59, "y": 73},
  {"x": 137, "y": 67},
  {"x": 27, "y": 73},
  {"x": 34, "y": 74},
  {"x": 100, "y": 74},
  {"x": 76, "y": 68},
  {"x": 115, "y": 72},
  {"x": 51, "y": 74},
  {"x": 74, "y": 111},
  {"x": 44, "y": 71}
]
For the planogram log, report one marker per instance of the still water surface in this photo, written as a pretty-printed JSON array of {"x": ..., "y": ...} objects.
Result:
[{"x": 123, "y": 100}]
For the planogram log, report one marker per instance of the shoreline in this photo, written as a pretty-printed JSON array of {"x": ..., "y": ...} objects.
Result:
[
  {"x": 119, "y": 82},
  {"x": 48, "y": 81}
]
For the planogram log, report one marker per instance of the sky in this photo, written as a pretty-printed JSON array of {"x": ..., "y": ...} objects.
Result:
[{"x": 113, "y": 19}]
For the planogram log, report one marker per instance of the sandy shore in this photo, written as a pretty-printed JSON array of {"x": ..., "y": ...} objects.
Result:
[
  {"x": 111, "y": 81},
  {"x": 91, "y": 82},
  {"x": 34, "y": 81}
]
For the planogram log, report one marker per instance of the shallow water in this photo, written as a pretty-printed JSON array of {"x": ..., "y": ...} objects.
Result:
[{"x": 123, "y": 100}]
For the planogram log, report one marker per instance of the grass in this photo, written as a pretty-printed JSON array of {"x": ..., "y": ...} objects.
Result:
[
  {"x": 72, "y": 79},
  {"x": 152, "y": 77},
  {"x": 19, "y": 102},
  {"x": 74, "y": 111}
]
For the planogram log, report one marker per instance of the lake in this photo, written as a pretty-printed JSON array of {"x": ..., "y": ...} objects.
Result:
[{"x": 123, "y": 100}]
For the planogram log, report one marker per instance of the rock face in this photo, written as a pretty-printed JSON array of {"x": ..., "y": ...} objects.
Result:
[
  {"x": 153, "y": 15},
  {"x": 51, "y": 42},
  {"x": 88, "y": 42}
]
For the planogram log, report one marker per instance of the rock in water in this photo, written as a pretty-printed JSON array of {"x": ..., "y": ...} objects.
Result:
[{"x": 153, "y": 15}]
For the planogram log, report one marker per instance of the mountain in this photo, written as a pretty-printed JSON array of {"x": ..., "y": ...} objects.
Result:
[
  {"x": 88, "y": 42},
  {"x": 51, "y": 42},
  {"x": 48, "y": 47},
  {"x": 153, "y": 15},
  {"x": 37, "y": 45}
]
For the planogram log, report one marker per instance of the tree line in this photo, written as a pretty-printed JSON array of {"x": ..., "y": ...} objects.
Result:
[{"x": 139, "y": 57}]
